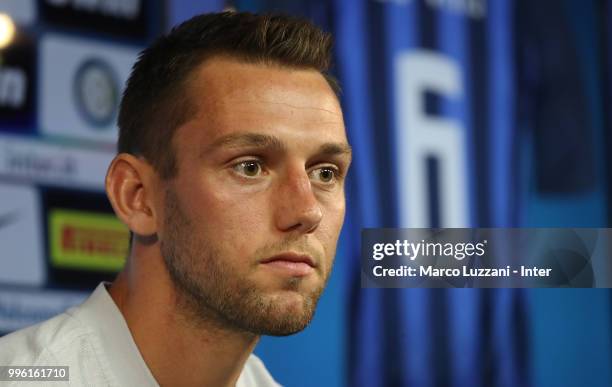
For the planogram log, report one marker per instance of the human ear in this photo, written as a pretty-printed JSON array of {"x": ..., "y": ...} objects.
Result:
[{"x": 129, "y": 186}]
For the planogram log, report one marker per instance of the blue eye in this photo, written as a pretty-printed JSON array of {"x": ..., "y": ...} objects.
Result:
[{"x": 248, "y": 168}]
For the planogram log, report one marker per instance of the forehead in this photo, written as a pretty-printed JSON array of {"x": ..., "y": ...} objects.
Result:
[{"x": 230, "y": 97}]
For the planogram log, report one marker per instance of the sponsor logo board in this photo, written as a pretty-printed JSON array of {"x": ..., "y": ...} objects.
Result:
[
  {"x": 22, "y": 258},
  {"x": 17, "y": 84},
  {"x": 126, "y": 18},
  {"x": 81, "y": 84},
  {"x": 21, "y": 308},
  {"x": 21, "y": 11},
  {"x": 91, "y": 241},
  {"x": 52, "y": 164}
]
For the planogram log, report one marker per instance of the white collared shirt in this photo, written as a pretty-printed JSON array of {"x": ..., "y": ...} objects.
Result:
[{"x": 94, "y": 340}]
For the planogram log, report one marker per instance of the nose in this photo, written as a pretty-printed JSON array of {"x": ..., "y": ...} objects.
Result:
[{"x": 297, "y": 208}]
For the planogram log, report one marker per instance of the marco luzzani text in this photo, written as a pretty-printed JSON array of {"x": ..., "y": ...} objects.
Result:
[{"x": 458, "y": 251}]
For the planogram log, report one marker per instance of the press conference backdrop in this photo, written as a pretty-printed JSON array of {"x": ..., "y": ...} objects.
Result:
[{"x": 460, "y": 113}]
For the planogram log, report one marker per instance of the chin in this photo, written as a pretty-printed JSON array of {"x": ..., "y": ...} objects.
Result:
[{"x": 290, "y": 313}]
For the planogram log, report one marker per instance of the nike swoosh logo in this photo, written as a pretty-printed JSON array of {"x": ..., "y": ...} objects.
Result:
[{"x": 8, "y": 218}]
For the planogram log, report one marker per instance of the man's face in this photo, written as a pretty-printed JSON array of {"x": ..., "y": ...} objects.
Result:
[{"x": 251, "y": 221}]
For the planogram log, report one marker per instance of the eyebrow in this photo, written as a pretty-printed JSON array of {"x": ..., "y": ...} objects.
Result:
[
  {"x": 251, "y": 140},
  {"x": 335, "y": 149},
  {"x": 257, "y": 140}
]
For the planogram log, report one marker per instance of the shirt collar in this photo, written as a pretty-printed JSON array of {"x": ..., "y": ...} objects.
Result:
[{"x": 101, "y": 314}]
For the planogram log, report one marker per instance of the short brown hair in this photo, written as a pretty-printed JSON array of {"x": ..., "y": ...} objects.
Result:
[{"x": 154, "y": 102}]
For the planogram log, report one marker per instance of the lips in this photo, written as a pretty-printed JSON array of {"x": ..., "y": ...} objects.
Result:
[
  {"x": 292, "y": 264},
  {"x": 292, "y": 257}
]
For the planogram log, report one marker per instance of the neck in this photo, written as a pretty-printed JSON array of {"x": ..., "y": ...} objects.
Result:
[{"x": 178, "y": 347}]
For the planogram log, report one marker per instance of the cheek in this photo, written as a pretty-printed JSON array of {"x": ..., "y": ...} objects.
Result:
[
  {"x": 332, "y": 224},
  {"x": 334, "y": 212},
  {"x": 231, "y": 216}
]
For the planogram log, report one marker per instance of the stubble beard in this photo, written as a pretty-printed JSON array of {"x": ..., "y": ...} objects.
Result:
[{"x": 209, "y": 292}]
